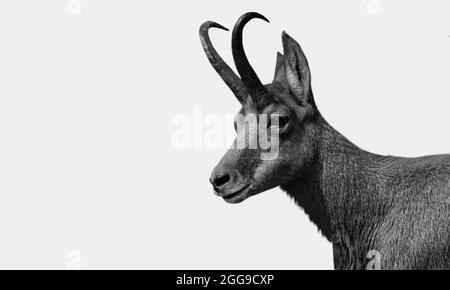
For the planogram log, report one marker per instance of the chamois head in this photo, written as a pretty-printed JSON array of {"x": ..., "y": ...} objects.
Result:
[{"x": 287, "y": 104}]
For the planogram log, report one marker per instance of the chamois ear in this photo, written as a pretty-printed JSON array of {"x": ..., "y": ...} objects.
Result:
[
  {"x": 297, "y": 69},
  {"x": 280, "y": 70}
]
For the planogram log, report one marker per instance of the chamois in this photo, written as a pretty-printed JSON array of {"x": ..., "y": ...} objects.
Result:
[{"x": 360, "y": 201}]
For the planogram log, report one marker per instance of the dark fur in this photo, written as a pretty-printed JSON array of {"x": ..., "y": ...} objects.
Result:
[{"x": 361, "y": 202}]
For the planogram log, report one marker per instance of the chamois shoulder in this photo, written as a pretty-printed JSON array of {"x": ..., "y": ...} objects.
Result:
[
  {"x": 428, "y": 174},
  {"x": 398, "y": 165}
]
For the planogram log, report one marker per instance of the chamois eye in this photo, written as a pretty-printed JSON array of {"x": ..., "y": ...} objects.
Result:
[{"x": 283, "y": 121}]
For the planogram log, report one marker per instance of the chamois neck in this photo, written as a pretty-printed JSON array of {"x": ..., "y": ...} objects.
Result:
[{"x": 337, "y": 189}]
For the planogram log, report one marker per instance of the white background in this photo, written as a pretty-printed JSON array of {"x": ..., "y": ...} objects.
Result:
[{"x": 89, "y": 177}]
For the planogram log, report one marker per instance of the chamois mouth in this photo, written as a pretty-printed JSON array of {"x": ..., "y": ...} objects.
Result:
[{"x": 237, "y": 196}]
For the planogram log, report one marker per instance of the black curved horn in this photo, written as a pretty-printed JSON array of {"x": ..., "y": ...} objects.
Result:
[
  {"x": 227, "y": 74},
  {"x": 248, "y": 75}
]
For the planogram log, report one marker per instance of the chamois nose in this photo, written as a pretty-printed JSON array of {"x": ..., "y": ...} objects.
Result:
[{"x": 219, "y": 180}]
